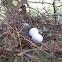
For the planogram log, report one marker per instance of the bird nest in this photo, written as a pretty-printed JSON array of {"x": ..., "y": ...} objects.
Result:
[{"x": 14, "y": 35}]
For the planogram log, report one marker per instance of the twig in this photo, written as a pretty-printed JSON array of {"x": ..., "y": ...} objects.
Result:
[
  {"x": 40, "y": 2},
  {"x": 20, "y": 45},
  {"x": 32, "y": 57},
  {"x": 25, "y": 52}
]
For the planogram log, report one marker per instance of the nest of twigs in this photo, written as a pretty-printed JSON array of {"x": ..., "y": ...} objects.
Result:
[{"x": 14, "y": 36}]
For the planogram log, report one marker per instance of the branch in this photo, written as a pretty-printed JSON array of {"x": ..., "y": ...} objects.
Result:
[{"x": 40, "y": 2}]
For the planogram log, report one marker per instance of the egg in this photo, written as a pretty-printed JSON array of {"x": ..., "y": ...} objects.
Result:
[
  {"x": 33, "y": 31},
  {"x": 37, "y": 37}
]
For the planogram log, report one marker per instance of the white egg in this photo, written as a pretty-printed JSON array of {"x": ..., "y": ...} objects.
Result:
[
  {"x": 33, "y": 31},
  {"x": 37, "y": 37}
]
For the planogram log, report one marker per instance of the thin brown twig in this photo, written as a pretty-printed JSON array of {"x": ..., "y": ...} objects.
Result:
[
  {"x": 25, "y": 52},
  {"x": 20, "y": 45},
  {"x": 40, "y": 2},
  {"x": 32, "y": 57}
]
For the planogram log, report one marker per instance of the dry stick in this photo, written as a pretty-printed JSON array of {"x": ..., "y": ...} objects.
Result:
[
  {"x": 7, "y": 38},
  {"x": 20, "y": 45},
  {"x": 21, "y": 49},
  {"x": 32, "y": 57},
  {"x": 7, "y": 41},
  {"x": 39, "y": 2},
  {"x": 25, "y": 52},
  {"x": 27, "y": 60}
]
